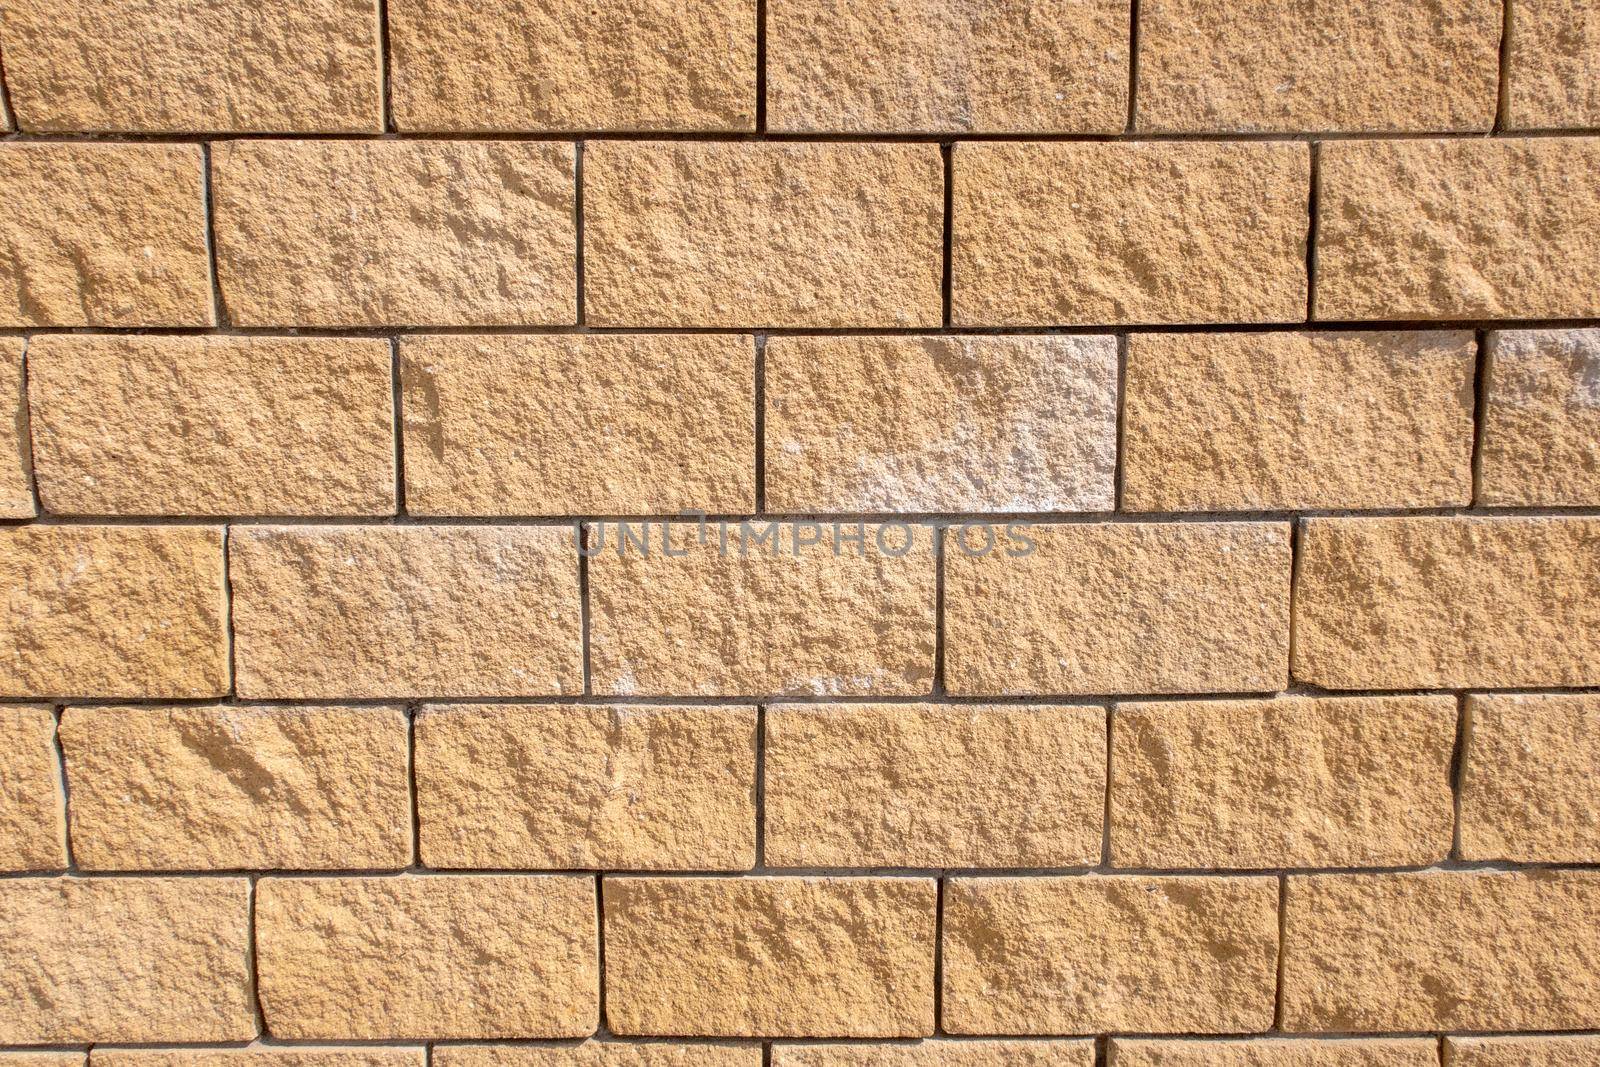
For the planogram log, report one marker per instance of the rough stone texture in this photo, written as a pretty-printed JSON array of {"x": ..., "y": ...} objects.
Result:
[
  {"x": 311, "y": 66},
  {"x": 1521, "y": 1051},
  {"x": 44, "y": 1059},
  {"x": 1288, "y": 782},
  {"x": 113, "y": 611},
  {"x": 1303, "y": 66},
  {"x": 196, "y": 788},
  {"x": 124, "y": 960},
  {"x": 1458, "y": 229},
  {"x": 1101, "y": 234},
  {"x": 920, "y": 785},
  {"x": 260, "y": 1057},
  {"x": 16, "y": 486},
  {"x": 861, "y": 66},
  {"x": 212, "y": 425},
  {"x": 1433, "y": 603},
  {"x": 936, "y": 1053},
  {"x": 1530, "y": 777},
  {"x": 472, "y": 956},
  {"x": 598, "y": 1054},
  {"x": 809, "y": 612},
  {"x": 1442, "y": 950},
  {"x": 1091, "y": 954},
  {"x": 888, "y": 424},
  {"x": 1118, "y": 608},
  {"x": 376, "y": 611},
  {"x": 1274, "y": 1052},
  {"x": 781, "y": 957},
  {"x": 544, "y": 786},
  {"x": 1273, "y": 421},
  {"x": 103, "y": 235},
  {"x": 1541, "y": 428},
  {"x": 1553, "y": 78},
  {"x": 32, "y": 809},
  {"x": 747, "y": 234},
  {"x": 408, "y": 233},
  {"x": 529, "y": 65},
  {"x": 600, "y": 425}
]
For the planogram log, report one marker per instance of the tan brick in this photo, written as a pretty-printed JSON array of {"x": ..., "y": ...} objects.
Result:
[
  {"x": 1118, "y": 608},
  {"x": 746, "y": 234},
  {"x": 32, "y": 808},
  {"x": 259, "y": 1057},
  {"x": 1273, "y": 421},
  {"x": 113, "y": 611},
  {"x": 551, "y": 786},
  {"x": 941, "y": 424},
  {"x": 124, "y": 960},
  {"x": 1090, "y": 234},
  {"x": 939, "y": 1054},
  {"x": 1553, "y": 74},
  {"x": 408, "y": 233},
  {"x": 783, "y": 957},
  {"x": 598, "y": 1054},
  {"x": 932, "y": 66},
  {"x": 470, "y": 956},
  {"x": 524, "y": 65},
  {"x": 1083, "y": 954},
  {"x": 571, "y": 425},
  {"x": 1458, "y": 229},
  {"x": 896, "y": 785},
  {"x": 219, "y": 66},
  {"x": 1288, "y": 782},
  {"x": 1430, "y": 603},
  {"x": 103, "y": 235},
  {"x": 141, "y": 425},
  {"x": 738, "y": 615},
  {"x": 16, "y": 464},
  {"x": 1521, "y": 1051},
  {"x": 1274, "y": 1052},
  {"x": 44, "y": 1059},
  {"x": 1541, "y": 427},
  {"x": 375, "y": 611}
]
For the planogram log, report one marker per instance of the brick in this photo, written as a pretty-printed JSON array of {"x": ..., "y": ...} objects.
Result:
[
  {"x": 1521, "y": 1051},
  {"x": 931, "y": 66},
  {"x": 113, "y": 611},
  {"x": 198, "y": 788},
  {"x": 571, "y": 425},
  {"x": 1470, "y": 228},
  {"x": 16, "y": 484},
  {"x": 864, "y": 424},
  {"x": 1553, "y": 67},
  {"x": 548, "y": 786},
  {"x": 598, "y": 1054},
  {"x": 257, "y": 1056},
  {"x": 103, "y": 235},
  {"x": 470, "y": 956},
  {"x": 1274, "y": 421},
  {"x": 1102, "y": 234},
  {"x": 739, "y": 615},
  {"x": 1541, "y": 426},
  {"x": 124, "y": 960},
  {"x": 33, "y": 829},
  {"x": 939, "y": 1054},
  {"x": 142, "y": 425},
  {"x": 1287, "y": 782},
  {"x": 569, "y": 66},
  {"x": 1530, "y": 774},
  {"x": 1274, "y": 1052},
  {"x": 749, "y": 234},
  {"x": 223, "y": 66},
  {"x": 396, "y": 233},
  {"x": 1434, "y": 603},
  {"x": 1118, "y": 608},
  {"x": 1084, "y": 954},
  {"x": 923, "y": 785},
  {"x": 44, "y": 1059},
  {"x": 1302, "y": 66},
  {"x": 377, "y": 611},
  {"x": 781, "y": 957}
]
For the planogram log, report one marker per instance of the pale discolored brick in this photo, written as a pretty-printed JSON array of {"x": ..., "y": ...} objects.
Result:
[
  {"x": 1084, "y": 954},
  {"x": 141, "y": 425},
  {"x": 762, "y": 234},
  {"x": 103, "y": 235},
  {"x": 1541, "y": 425},
  {"x": 1521, "y": 1051},
  {"x": 1276, "y": 1052},
  {"x": 1553, "y": 65},
  {"x": 936, "y": 1053},
  {"x": 865, "y": 424},
  {"x": 32, "y": 805},
  {"x": 259, "y": 1056},
  {"x": 376, "y": 611},
  {"x": 113, "y": 611},
  {"x": 469, "y": 956},
  {"x": 553, "y": 425},
  {"x": 16, "y": 485},
  {"x": 1272, "y": 421},
  {"x": 1098, "y": 608},
  {"x": 551, "y": 786},
  {"x": 124, "y": 960},
  {"x": 599, "y": 1054},
  {"x": 896, "y": 785},
  {"x": 782, "y": 957},
  {"x": 406, "y": 233},
  {"x": 1101, "y": 234},
  {"x": 1429, "y": 603}
]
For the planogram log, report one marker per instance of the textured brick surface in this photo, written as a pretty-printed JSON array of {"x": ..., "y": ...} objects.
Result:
[
  {"x": 1521, "y": 1051},
  {"x": 1276, "y": 1052},
  {"x": 260, "y": 1057},
  {"x": 1541, "y": 428},
  {"x": 599, "y": 1054},
  {"x": 1553, "y": 71},
  {"x": 936, "y": 1053},
  {"x": 16, "y": 486},
  {"x": 32, "y": 805}
]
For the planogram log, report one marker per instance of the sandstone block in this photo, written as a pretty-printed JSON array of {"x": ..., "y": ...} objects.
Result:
[
  {"x": 1275, "y": 1052},
  {"x": 598, "y": 1054},
  {"x": 935, "y": 1053},
  {"x": 1521, "y": 1051},
  {"x": 1541, "y": 427},
  {"x": 259, "y": 1056},
  {"x": 16, "y": 463},
  {"x": 44, "y": 1059},
  {"x": 1553, "y": 76},
  {"x": 32, "y": 808}
]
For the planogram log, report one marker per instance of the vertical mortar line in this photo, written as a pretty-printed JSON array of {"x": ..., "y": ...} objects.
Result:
[
  {"x": 761, "y": 788},
  {"x": 580, "y": 542},
  {"x": 25, "y": 431},
  {"x": 385, "y": 67},
  {"x": 1102, "y": 1050},
  {"x": 1313, "y": 202},
  {"x": 1283, "y": 912},
  {"x": 761, "y": 66},
  {"x": 397, "y": 401},
  {"x": 603, "y": 1022},
  {"x": 1502, "y": 106},
  {"x": 939, "y": 533},
  {"x": 1480, "y": 409},
  {"x": 253, "y": 960},
  {"x": 761, "y": 423},
  {"x": 1133, "y": 66},
  {"x": 411, "y": 786},
  {"x": 947, "y": 152},
  {"x": 1105, "y": 814},
  {"x": 227, "y": 611},
  {"x": 766, "y": 1054},
  {"x": 1458, "y": 769},
  {"x": 577, "y": 229},
  {"x": 938, "y": 955},
  {"x": 1295, "y": 528},
  {"x": 66, "y": 795},
  {"x": 1444, "y": 1058},
  {"x": 219, "y": 308},
  {"x": 1121, "y": 465}
]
